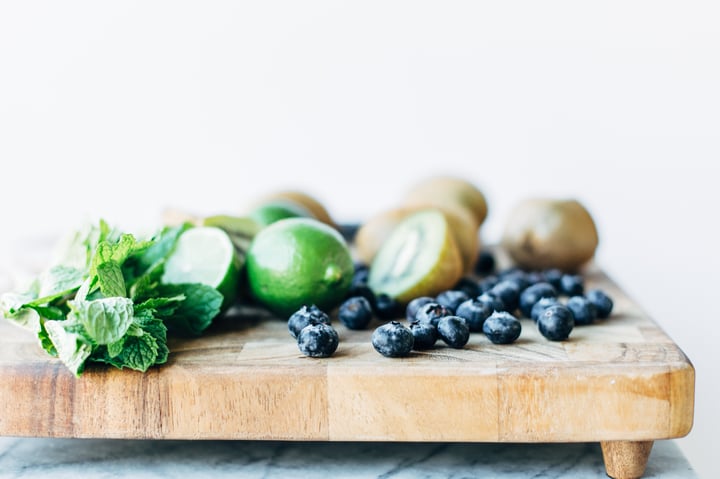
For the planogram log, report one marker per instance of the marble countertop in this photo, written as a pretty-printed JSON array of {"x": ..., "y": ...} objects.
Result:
[{"x": 106, "y": 458}]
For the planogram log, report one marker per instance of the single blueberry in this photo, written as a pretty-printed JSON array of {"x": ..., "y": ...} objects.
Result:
[
  {"x": 603, "y": 303},
  {"x": 475, "y": 313},
  {"x": 318, "y": 340},
  {"x": 393, "y": 340},
  {"x": 485, "y": 263},
  {"x": 387, "y": 307},
  {"x": 415, "y": 304},
  {"x": 304, "y": 316},
  {"x": 431, "y": 312},
  {"x": 469, "y": 286},
  {"x": 572, "y": 285},
  {"x": 451, "y": 299},
  {"x": 425, "y": 335},
  {"x": 534, "y": 277},
  {"x": 509, "y": 292},
  {"x": 454, "y": 331},
  {"x": 492, "y": 300},
  {"x": 502, "y": 328},
  {"x": 584, "y": 312},
  {"x": 540, "y": 306},
  {"x": 556, "y": 322},
  {"x": 355, "y": 312},
  {"x": 532, "y": 295}
]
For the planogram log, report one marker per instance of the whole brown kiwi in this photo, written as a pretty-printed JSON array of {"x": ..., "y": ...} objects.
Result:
[
  {"x": 448, "y": 191},
  {"x": 373, "y": 233},
  {"x": 545, "y": 233}
]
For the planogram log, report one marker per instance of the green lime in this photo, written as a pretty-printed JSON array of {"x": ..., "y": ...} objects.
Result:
[
  {"x": 299, "y": 261},
  {"x": 206, "y": 255},
  {"x": 268, "y": 213},
  {"x": 419, "y": 258}
]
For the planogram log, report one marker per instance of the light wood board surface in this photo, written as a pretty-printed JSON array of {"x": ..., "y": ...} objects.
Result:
[{"x": 619, "y": 379}]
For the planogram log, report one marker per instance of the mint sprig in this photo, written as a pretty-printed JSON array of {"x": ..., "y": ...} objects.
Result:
[{"x": 104, "y": 301}]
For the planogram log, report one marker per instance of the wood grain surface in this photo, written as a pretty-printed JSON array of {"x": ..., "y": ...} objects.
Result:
[{"x": 621, "y": 379}]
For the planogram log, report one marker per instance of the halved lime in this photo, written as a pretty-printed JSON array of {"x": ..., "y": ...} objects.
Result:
[
  {"x": 206, "y": 255},
  {"x": 419, "y": 258}
]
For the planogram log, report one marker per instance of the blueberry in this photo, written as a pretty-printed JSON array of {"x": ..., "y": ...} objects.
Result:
[
  {"x": 451, "y": 299},
  {"x": 502, "y": 328},
  {"x": 584, "y": 312},
  {"x": 318, "y": 340},
  {"x": 492, "y": 300},
  {"x": 509, "y": 292},
  {"x": 540, "y": 306},
  {"x": 415, "y": 304},
  {"x": 454, "y": 331},
  {"x": 469, "y": 286},
  {"x": 533, "y": 293},
  {"x": 431, "y": 312},
  {"x": 387, "y": 307},
  {"x": 553, "y": 276},
  {"x": 475, "y": 313},
  {"x": 571, "y": 285},
  {"x": 425, "y": 335},
  {"x": 485, "y": 263},
  {"x": 393, "y": 340},
  {"x": 303, "y": 317},
  {"x": 556, "y": 322},
  {"x": 355, "y": 313},
  {"x": 603, "y": 303}
]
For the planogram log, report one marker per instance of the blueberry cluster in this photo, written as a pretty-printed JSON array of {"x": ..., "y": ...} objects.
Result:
[
  {"x": 491, "y": 302},
  {"x": 555, "y": 301},
  {"x": 315, "y": 336}
]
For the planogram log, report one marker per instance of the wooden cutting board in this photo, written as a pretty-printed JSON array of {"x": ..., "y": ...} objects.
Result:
[{"x": 621, "y": 381}]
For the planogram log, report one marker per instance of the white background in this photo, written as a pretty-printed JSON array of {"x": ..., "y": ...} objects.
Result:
[{"x": 122, "y": 109}]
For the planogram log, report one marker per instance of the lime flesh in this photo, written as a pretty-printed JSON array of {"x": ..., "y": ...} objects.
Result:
[{"x": 206, "y": 255}]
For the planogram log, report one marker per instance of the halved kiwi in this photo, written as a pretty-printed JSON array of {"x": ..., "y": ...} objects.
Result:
[
  {"x": 419, "y": 258},
  {"x": 375, "y": 231}
]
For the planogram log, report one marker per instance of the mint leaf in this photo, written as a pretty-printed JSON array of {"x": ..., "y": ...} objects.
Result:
[
  {"x": 115, "y": 252},
  {"x": 106, "y": 320},
  {"x": 194, "y": 315},
  {"x": 110, "y": 279},
  {"x": 114, "y": 349},
  {"x": 157, "y": 329},
  {"x": 72, "y": 347},
  {"x": 138, "y": 352},
  {"x": 58, "y": 281}
]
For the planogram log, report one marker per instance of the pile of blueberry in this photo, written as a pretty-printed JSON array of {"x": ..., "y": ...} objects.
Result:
[{"x": 490, "y": 302}]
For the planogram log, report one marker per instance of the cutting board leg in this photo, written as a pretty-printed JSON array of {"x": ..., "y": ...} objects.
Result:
[{"x": 625, "y": 459}]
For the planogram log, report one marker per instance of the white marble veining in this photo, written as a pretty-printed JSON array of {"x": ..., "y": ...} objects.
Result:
[{"x": 90, "y": 458}]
